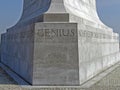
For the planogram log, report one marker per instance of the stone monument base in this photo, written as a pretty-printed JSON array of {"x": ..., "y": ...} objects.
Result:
[
  {"x": 59, "y": 53},
  {"x": 43, "y": 53},
  {"x": 59, "y": 43}
]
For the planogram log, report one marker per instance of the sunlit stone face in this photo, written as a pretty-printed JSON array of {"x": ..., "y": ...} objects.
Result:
[{"x": 82, "y": 8}]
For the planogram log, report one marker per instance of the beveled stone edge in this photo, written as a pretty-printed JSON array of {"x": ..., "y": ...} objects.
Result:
[
  {"x": 100, "y": 75},
  {"x": 86, "y": 85},
  {"x": 13, "y": 75}
]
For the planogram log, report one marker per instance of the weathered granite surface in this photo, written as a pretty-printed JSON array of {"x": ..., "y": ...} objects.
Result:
[
  {"x": 59, "y": 42},
  {"x": 107, "y": 80}
]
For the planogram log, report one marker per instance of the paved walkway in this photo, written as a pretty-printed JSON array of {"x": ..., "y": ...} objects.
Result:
[{"x": 109, "y": 82}]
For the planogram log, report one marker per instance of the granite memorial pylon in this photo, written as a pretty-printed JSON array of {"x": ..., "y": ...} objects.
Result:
[{"x": 59, "y": 42}]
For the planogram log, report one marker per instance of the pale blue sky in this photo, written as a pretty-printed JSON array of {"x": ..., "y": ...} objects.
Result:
[
  {"x": 10, "y": 12},
  {"x": 109, "y": 12}
]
